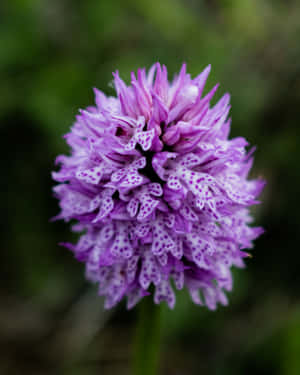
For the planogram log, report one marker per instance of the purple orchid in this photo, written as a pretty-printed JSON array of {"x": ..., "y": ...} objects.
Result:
[{"x": 158, "y": 191}]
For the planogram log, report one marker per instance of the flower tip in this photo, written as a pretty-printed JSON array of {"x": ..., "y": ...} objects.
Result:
[
  {"x": 262, "y": 182},
  {"x": 183, "y": 69},
  {"x": 116, "y": 75},
  {"x": 260, "y": 231},
  {"x": 96, "y": 91},
  {"x": 215, "y": 88},
  {"x": 226, "y": 97},
  {"x": 54, "y": 218},
  {"x": 67, "y": 245},
  {"x": 207, "y": 70}
]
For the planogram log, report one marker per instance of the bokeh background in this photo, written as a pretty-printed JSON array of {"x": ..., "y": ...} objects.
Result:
[{"x": 51, "y": 55}]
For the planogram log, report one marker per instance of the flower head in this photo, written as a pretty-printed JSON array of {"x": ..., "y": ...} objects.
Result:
[{"x": 158, "y": 191}]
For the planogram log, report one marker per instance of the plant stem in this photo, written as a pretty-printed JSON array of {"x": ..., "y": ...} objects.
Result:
[{"x": 147, "y": 343}]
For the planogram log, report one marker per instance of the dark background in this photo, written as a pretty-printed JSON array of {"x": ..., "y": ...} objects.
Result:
[{"x": 51, "y": 55}]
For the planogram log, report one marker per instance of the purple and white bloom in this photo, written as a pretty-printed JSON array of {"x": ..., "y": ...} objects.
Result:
[{"x": 159, "y": 193}]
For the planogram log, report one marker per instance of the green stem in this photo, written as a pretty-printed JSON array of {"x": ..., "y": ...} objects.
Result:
[{"x": 147, "y": 343}]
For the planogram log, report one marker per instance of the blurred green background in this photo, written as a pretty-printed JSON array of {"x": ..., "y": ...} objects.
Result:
[{"x": 51, "y": 55}]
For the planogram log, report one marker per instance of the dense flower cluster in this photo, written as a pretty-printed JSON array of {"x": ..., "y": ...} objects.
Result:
[{"x": 158, "y": 191}]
